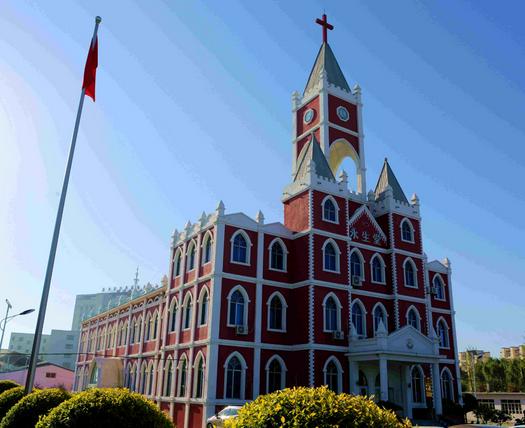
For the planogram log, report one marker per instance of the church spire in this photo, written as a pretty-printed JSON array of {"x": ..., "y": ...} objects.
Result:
[{"x": 387, "y": 179}]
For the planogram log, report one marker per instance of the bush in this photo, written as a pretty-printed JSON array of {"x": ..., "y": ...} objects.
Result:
[
  {"x": 106, "y": 407},
  {"x": 27, "y": 411},
  {"x": 314, "y": 407},
  {"x": 9, "y": 398},
  {"x": 7, "y": 384}
]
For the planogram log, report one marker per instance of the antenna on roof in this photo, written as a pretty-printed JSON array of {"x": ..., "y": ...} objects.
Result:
[{"x": 136, "y": 280}]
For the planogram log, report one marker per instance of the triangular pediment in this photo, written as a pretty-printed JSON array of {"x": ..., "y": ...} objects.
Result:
[
  {"x": 363, "y": 217},
  {"x": 410, "y": 340}
]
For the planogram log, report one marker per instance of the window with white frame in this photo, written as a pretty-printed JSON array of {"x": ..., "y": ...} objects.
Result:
[
  {"x": 143, "y": 379},
  {"x": 240, "y": 248},
  {"x": 278, "y": 255},
  {"x": 358, "y": 318},
  {"x": 330, "y": 256},
  {"x": 203, "y": 307},
  {"x": 276, "y": 312},
  {"x": 173, "y": 315},
  {"x": 356, "y": 265},
  {"x": 237, "y": 307},
  {"x": 151, "y": 376},
  {"x": 154, "y": 325},
  {"x": 330, "y": 210},
  {"x": 186, "y": 311},
  {"x": 191, "y": 257},
  {"x": 407, "y": 231},
  {"x": 413, "y": 318},
  {"x": 177, "y": 263},
  {"x": 275, "y": 374},
  {"x": 182, "y": 377},
  {"x": 206, "y": 249},
  {"x": 380, "y": 316},
  {"x": 486, "y": 402},
  {"x": 378, "y": 269},
  {"x": 447, "y": 388},
  {"x": 147, "y": 326},
  {"x": 511, "y": 407},
  {"x": 418, "y": 385},
  {"x": 234, "y": 377},
  {"x": 332, "y": 375},
  {"x": 168, "y": 378},
  {"x": 332, "y": 313},
  {"x": 442, "y": 333},
  {"x": 439, "y": 288},
  {"x": 198, "y": 388},
  {"x": 409, "y": 269}
]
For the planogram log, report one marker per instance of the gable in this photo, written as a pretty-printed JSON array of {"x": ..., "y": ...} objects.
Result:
[{"x": 364, "y": 228}]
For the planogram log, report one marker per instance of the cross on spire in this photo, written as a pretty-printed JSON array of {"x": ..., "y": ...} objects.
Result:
[{"x": 326, "y": 26}]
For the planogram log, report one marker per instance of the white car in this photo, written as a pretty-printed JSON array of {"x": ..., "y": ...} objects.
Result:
[{"x": 226, "y": 413}]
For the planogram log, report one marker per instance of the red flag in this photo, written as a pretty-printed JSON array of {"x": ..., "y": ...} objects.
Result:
[{"x": 90, "y": 72}]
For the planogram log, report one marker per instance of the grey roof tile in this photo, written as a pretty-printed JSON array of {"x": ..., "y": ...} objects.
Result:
[
  {"x": 326, "y": 60},
  {"x": 388, "y": 178}
]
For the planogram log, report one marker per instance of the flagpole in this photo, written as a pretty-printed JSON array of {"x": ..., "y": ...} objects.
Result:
[{"x": 51, "y": 261}]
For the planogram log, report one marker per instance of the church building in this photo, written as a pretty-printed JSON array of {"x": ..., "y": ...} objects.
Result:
[{"x": 340, "y": 294}]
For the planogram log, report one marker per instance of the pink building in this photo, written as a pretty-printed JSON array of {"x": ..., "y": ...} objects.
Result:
[{"x": 47, "y": 375}]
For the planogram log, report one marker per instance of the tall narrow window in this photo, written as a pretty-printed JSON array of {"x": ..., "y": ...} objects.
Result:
[
  {"x": 275, "y": 376},
  {"x": 277, "y": 256},
  {"x": 182, "y": 378},
  {"x": 236, "y": 308},
  {"x": 407, "y": 231},
  {"x": 173, "y": 316},
  {"x": 151, "y": 375},
  {"x": 410, "y": 274},
  {"x": 332, "y": 376},
  {"x": 356, "y": 266},
  {"x": 439, "y": 288},
  {"x": 167, "y": 383},
  {"x": 379, "y": 316},
  {"x": 276, "y": 314},
  {"x": 191, "y": 257},
  {"x": 233, "y": 378},
  {"x": 377, "y": 270},
  {"x": 206, "y": 258},
  {"x": 199, "y": 379},
  {"x": 442, "y": 332},
  {"x": 418, "y": 385},
  {"x": 413, "y": 318},
  {"x": 148, "y": 328},
  {"x": 330, "y": 314},
  {"x": 330, "y": 257},
  {"x": 358, "y": 319},
  {"x": 178, "y": 260},
  {"x": 187, "y": 313},
  {"x": 447, "y": 389},
  {"x": 143, "y": 379},
  {"x": 240, "y": 249},
  {"x": 203, "y": 313},
  {"x": 155, "y": 326},
  {"x": 329, "y": 210}
]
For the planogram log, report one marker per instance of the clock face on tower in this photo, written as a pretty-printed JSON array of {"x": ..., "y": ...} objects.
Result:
[
  {"x": 308, "y": 115},
  {"x": 342, "y": 113}
]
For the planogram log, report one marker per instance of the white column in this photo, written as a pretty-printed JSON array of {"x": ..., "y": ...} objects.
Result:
[
  {"x": 407, "y": 391},
  {"x": 354, "y": 376},
  {"x": 436, "y": 384},
  {"x": 383, "y": 378}
]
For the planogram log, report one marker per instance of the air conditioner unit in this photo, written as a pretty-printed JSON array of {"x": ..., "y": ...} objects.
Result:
[
  {"x": 356, "y": 281},
  {"x": 241, "y": 329},
  {"x": 339, "y": 335}
]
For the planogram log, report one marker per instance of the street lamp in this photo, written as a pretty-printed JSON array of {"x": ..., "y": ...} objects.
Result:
[{"x": 8, "y": 318}]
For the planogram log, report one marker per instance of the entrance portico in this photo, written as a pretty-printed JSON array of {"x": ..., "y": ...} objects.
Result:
[{"x": 392, "y": 367}]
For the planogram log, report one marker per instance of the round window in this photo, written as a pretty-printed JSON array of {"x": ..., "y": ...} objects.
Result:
[
  {"x": 308, "y": 116},
  {"x": 342, "y": 113}
]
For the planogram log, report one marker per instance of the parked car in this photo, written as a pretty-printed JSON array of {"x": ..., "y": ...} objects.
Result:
[{"x": 226, "y": 413}]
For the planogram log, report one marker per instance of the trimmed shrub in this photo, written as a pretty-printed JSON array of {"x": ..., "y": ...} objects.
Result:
[
  {"x": 106, "y": 407},
  {"x": 28, "y": 410},
  {"x": 7, "y": 384},
  {"x": 9, "y": 398},
  {"x": 314, "y": 407}
]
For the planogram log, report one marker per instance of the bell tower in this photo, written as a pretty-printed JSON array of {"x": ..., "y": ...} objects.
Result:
[{"x": 329, "y": 114}]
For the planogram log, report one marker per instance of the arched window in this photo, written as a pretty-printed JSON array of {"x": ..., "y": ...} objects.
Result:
[
  {"x": 277, "y": 255},
  {"x": 154, "y": 325},
  {"x": 240, "y": 248},
  {"x": 237, "y": 313},
  {"x": 183, "y": 369},
  {"x": 138, "y": 330},
  {"x": 198, "y": 388},
  {"x": 275, "y": 374},
  {"x": 380, "y": 316},
  {"x": 447, "y": 388},
  {"x": 143, "y": 378},
  {"x": 191, "y": 257},
  {"x": 410, "y": 273},
  {"x": 133, "y": 378},
  {"x": 178, "y": 262},
  {"x": 418, "y": 385},
  {"x": 132, "y": 332},
  {"x": 358, "y": 319},
  {"x": 206, "y": 256},
  {"x": 332, "y": 375},
  {"x": 362, "y": 383},
  {"x": 329, "y": 210},
  {"x": 378, "y": 269},
  {"x": 276, "y": 312},
  {"x": 168, "y": 377},
  {"x": 173, "y": 315},
  {"x": 356, "y": 265},
  {"x": 330, "y": 256},
  {"x": 407, "y": 231},
  {"x": 332, "y": 313},
  {"x": 413, "y": 318},
  {"x": 439, "y": 288},
  {"x": 234, "y": 377},
  {"x": 151, "y": 376},
  {"x": 203, "y": 307},
  {"x": 186, "y": 314},
  {"x": 442, "y": 332},
  {"x": 93, "y": 378},
  {"x": 147, "y": 326}
]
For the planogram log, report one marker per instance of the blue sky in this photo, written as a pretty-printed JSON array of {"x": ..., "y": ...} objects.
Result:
[{"x": 193, "y": 106}]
